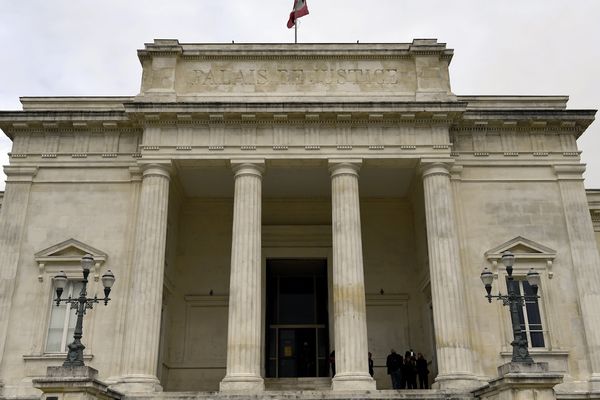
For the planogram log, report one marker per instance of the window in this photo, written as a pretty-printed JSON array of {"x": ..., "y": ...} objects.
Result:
[
  {"x": 530, "y": 317},
  {"x": 62, "y": 320}
]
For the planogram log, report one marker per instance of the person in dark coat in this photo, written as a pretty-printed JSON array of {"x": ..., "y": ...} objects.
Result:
[
  {"x": 332, "y": 363},
  {"x": 394, "y": 366},
  {"x": 371, "y": 370},
  {"x": 409, "y": 371},
  {"x": 422, "y": 371}
]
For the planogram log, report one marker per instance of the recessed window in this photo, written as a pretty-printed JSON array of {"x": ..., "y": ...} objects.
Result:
[
  {"x": 530, "y": 316},
  {"x": 62, "y": 320}
]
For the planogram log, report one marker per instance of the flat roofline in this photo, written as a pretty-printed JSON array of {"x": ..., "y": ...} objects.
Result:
[
  {"x": 176, "y": 42},
  {"x": 87, "y": 103},
  {"x": 172, "y": 48},
  {"x": 503, "y": 102},
  {"x": 62, "y": 98}
]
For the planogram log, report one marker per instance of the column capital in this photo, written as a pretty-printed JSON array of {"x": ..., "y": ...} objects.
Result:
[
  {"x": 344, "y": 166},
  {"x": 162, "y": 168},
  {"x": 248, "y": 167},
  {"x": 434, "y": 167}
]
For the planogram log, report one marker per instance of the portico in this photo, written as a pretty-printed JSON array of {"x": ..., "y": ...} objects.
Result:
[{"x": 296, "y": 210}]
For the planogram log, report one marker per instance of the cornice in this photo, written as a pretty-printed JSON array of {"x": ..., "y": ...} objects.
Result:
[
  {"x": 67, "y": 130},
  {"x": 320, "y": 106},
  {"x": 454, "y": 114},
  {"x": 292, "y": 56},
  {"x": 363, "y": 122},
  {"x": 533, "y": 121},
  {"x": 557, "y": 129},
  {"x": 278, "y": 51}
]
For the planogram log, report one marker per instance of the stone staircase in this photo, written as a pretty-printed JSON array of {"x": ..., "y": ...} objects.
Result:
[
  {"x": 273, "y": 392},
  {"x": 295, "y": 384}
]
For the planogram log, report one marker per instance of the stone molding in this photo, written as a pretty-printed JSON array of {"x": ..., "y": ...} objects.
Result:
[
  {"x": 434, "y": 167},
  {"x": 75, "y": 383},
  {"x": 163, "y": 169},
  {"x": 172, "y": 48},
  {"x": 344, "y": 167},
  {"x": 296, "y": 236},
  {"x": 521, "y": 381},
  {"x": 533, "y": 252},
  {"x": 572, "y": 172},
  {"x": 66, "y": 256},
  {"x": 211, "y": 300},
  {"x": 248, "y": 167},
  {"x": 386, "y": 299},
  {"x": 20, "y": 174}
]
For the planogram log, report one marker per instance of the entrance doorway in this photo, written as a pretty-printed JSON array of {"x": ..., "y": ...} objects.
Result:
[{"x": 297, "y": 318}]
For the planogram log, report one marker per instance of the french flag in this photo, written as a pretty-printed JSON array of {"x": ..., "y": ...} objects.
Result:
[{"x": 300, "y": 10}]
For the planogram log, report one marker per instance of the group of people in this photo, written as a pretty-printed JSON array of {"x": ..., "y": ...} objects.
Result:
[{"x": 405, "y": 370}]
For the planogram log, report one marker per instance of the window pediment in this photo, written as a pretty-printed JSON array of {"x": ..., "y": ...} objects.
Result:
[
  {"x": 66, "y": 256},
  {"x": 535, "y": 255}
]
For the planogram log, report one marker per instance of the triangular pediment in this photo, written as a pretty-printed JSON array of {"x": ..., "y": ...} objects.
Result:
[
  {"x": 522, "y": 248},
  {"x": 66, "y": 256},
  {"x": 69, "y": 250}
]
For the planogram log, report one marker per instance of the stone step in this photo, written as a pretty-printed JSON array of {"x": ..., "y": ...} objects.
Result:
[
  {"x": 298, "y": 384},
  {"x": 427, "y": 394}
]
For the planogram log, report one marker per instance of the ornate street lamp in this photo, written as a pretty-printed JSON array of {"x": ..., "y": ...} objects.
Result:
[
  {"x": 514, "y": 300},
  {"x": 81, "y": 304}
]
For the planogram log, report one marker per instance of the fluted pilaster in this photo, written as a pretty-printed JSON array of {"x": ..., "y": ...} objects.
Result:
[
  {"x": 349, "y": 307},
  {"x": 145, "y": 293},
  {"x": 454, "y": 354},
  {"x": 12, "y": 225},
  {"x": 244, "y": 326},
  {"x": 586, "y": 259}
]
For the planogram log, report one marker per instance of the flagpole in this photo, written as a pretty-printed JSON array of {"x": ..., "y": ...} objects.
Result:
[{"x": 296, "y": 31}]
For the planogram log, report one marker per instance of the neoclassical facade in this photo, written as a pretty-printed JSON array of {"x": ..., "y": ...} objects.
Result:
[{"x": 262, "y": 205}]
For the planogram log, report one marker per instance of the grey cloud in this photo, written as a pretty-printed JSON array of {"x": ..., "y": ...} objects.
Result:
[{"x": 68, "y": 47}]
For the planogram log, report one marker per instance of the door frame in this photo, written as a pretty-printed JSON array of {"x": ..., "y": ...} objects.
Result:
[{"x": 300, "y": 252}]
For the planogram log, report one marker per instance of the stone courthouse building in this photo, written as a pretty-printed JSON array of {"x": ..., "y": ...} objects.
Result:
[{"x": 262, "y": 205}]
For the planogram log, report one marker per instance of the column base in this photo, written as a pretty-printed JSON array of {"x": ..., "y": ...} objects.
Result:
[
  {"x": 242, "y": 384},
  {"x": 137, "y": 383},
  {"x": 350, "y": 382},
  {"x": 458, "y": 382}
]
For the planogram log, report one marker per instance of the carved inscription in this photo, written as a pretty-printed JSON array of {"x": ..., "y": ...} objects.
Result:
[
  {"x": 207, "y": 77},
  {"x": 306, "y": 77}
]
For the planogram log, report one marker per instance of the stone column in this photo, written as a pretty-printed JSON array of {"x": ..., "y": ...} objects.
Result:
[
  {"x": 142, "y": 328},
  {"x": 586, "y": 259},
  {"x": 454, "y": 354},
  {"x": 12, "y": 227},
  {"x": 349, "y": 308},
  {"x": 244, "y": 324}
]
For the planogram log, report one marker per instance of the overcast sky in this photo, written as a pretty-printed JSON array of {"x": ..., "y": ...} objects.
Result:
[{"x": 85, "y": 47}]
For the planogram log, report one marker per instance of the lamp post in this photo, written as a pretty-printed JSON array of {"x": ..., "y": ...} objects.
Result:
[
  {"x": 513, "y": 300},
  {"x": 81, "y": 304}
]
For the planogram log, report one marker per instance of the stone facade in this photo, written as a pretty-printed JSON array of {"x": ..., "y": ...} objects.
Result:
[{"x": 359, "y": 155}]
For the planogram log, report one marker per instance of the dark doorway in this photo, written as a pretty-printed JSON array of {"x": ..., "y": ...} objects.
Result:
[{"x": 297, "y": 332}]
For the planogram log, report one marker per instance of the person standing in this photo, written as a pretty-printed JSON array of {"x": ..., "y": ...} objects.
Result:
[
  {"x": 371, "y": 370},
  {"x": 394, "y": 365},
  {"x": 422, "y": 371},
  {"x": 332, "y": 363},
  {"x": 409, "y": 372}
]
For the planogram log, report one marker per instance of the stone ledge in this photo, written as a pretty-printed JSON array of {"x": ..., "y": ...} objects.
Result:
[
  {"x": 426, "y": 394},
  {"x": 79, "y": 382},
  {"x": 521, "y": 380}
]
